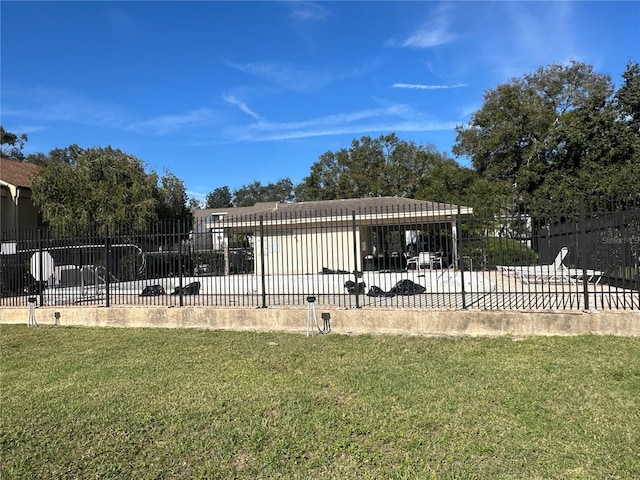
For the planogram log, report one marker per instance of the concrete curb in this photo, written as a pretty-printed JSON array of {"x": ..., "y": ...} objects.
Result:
[{"x": 343, "y": 321}]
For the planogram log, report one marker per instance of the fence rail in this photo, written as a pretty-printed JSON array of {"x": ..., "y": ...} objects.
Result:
[{"x": 443, "y": 257}]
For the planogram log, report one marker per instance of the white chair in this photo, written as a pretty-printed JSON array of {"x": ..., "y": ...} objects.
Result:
[
  {"x": 428, "y": 259},
  {"x": 539, "y": 273},
  {"x": 578, "y": 274}
]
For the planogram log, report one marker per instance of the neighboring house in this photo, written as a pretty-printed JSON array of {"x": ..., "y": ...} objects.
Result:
[
  {"x": 339, "y": 235},
  {"x": 16, "y": 209}
]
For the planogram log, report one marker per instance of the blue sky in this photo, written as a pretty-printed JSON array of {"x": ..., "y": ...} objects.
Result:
[{"x": 225, "y": 93}]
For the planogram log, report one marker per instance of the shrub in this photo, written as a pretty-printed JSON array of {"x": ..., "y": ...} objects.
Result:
[{"x": 486, "y": 253}]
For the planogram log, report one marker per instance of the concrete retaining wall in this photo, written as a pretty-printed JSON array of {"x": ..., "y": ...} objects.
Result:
[{"x": 350, "y": 321}]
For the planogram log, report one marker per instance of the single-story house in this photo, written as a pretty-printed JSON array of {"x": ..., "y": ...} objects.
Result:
[
  {"x": 16, "y": 209},
  {"x": 331, "y": 235}
]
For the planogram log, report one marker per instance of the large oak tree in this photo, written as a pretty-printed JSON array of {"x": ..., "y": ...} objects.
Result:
[{"x": 558, "y": 135}]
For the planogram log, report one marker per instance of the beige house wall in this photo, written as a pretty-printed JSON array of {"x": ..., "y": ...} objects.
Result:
[
  {"x": 308, "y": 251},
  {"x": 16, "y": 208}
]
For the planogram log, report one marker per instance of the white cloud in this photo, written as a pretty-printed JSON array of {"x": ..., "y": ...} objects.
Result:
[
  {"x": 533, "y": 34},
  {"x": 231, "y": 100},
  {"x": 389, "y": 118},
  {"x": 53, "y": 104},
  {"x": 428, "y": 37},
  {"x": 433, "y": 33},
  {"x": 286, "y": 76},
  {"x": 414, "y": 86},
  {"x": 170, "y": 123},
  {"x": 43, "y": 103},
  {"x": 302, "y": 11}
]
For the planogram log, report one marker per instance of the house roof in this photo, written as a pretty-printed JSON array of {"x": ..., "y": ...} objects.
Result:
[
  {"x": 325, "y": 208},
  {"x": 16, "y": 173}
]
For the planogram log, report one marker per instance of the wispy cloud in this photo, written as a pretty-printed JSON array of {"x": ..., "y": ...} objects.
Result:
[
  {"x": 53, "y": 104},
  {"x": 534, "y": 34},
  {"x": 164, "y": 124},
  {"x": 43, "y": 103},
  {"x": 388, "y": 118},
  {"x": 302, "y": 11},
  {"x": 417, "y": 86},
  {"x": 283, "y": 75},
  {"x": 433, "y": 33},
  {"x": 231, "y": 100}
]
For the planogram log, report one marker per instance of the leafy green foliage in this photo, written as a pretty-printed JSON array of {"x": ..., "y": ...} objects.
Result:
[
  {"x": 172, "y": 198},
  {"x": 11, "y": 144},
  {"x": 486, "y": 253},
  {"x": 219, "y": 198},
  {"x": 385, "y": 166},
  {"x": 104, "y": 187},
  {"x": 558, "y": 135},
  {"x": 77, "y": 187},
  {"x": 249, "y": 195}
]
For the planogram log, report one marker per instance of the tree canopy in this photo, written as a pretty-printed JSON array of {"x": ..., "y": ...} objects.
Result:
[
  {"x": 11, "y": 144},
  {"x": 558, "y": 135},
  {"x": 247, "y": 195},
  {"x": 219, "y": 198},
  {"x": 384, "y": 166},
  {"x": 104, "y": 186}
]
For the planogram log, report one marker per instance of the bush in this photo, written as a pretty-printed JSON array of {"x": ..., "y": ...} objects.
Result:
[
  {"x": 486, "y": 253},
  {"x": 13, "y": 276}
]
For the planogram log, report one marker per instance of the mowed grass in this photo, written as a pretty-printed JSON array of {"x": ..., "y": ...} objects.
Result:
[{"x": 145, "y": 403}]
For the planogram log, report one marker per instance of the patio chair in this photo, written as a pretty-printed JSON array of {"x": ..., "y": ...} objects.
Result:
[
  {"x": 540, "y": 273},
  {"x": 426, "y": 260},
  {"x": 578, "y": 274}
]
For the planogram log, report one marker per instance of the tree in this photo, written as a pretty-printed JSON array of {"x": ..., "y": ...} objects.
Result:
[
  {"x": 248, "y": 195},
  {"x": 172, "y": 198},
  {"x": 219, "y": 198},
  {"x": 447, "y": 182},
  {"x": 104, "y": 186},
  {"x": 194, "y": 204},
  {"x": 555, "y": 136},
  {"x": 12, "y": 144},
  {"x": 385, "y": 166}
]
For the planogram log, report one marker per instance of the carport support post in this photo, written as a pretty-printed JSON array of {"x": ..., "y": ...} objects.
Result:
[
  {"x": 583, "y": 254},
  {"x": 355, "y": 256}
]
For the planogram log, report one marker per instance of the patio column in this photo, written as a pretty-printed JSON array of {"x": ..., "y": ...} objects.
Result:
[
  {"x": 454, "y": 241},
  {"x": 225, "y": 249}
]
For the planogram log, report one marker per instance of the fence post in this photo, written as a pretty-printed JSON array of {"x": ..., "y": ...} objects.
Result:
[
  {"x": 460, "y": 257},
  {"x": 39, "y": 282},
  {"x": 582, "y": 237},
  {"x": 180, "y": 279},
  {"x": 355, "y": 256},
  {"x": 106, "y": 266},
  {"x": 262, "y": 275}
]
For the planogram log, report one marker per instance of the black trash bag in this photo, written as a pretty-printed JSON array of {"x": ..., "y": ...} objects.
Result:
[
  {"x": 406, "y": 287},
  {"x": 152, "y": 291},
  {"x": 192, "y": 288},
  {"x": 375, "y": 291},
  {"x": 355, "y": 288},
  {"x": 329, "y": 271}
]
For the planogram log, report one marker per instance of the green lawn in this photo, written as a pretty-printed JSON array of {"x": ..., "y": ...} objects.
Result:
[{"x": 145, "y": 403}]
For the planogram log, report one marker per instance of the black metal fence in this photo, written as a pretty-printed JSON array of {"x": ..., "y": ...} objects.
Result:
[{"x": 433, "y": 256}]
